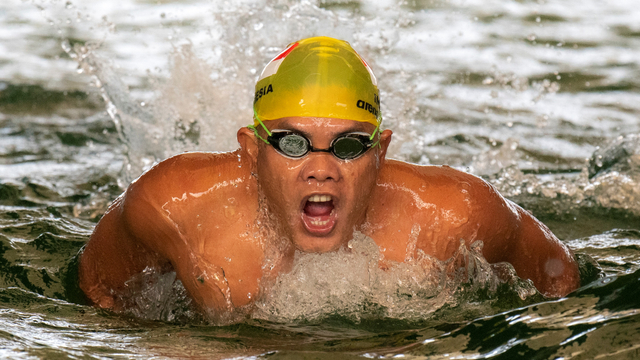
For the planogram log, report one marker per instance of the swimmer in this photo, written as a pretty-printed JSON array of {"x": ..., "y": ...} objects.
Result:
[{"x": 310, "y": 170}]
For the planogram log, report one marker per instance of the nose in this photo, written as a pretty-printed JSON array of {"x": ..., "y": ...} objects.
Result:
[{"x": 321, "y": 167}]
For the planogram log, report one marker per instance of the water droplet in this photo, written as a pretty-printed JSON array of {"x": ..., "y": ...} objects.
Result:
[
  {"x": 68, "y": 5},
  {"x": 487, "y": 81}
]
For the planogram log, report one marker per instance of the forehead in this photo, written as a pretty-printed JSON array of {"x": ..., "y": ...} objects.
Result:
[{"x": 313, "y": 125}]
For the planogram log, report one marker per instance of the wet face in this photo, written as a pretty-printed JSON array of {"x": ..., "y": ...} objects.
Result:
[{"x": 318, "y": 199}]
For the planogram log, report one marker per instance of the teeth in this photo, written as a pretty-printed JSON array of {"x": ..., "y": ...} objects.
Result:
[
  {"x": 319, "y": 223},
  {"x": 320, "y": 198}
]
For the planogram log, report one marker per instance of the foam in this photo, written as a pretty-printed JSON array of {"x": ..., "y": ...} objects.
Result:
[{"x": 350, "y": 283}]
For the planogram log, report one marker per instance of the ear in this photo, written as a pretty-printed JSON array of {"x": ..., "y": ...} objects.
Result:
[
  {"x": 385, "y": 140},
  {"x": 248, "y": 145}
]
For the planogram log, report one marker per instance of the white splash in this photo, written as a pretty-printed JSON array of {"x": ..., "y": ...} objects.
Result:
[{"x": 350, "y": 283}]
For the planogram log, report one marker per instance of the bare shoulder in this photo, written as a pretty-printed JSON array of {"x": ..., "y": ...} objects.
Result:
[
  {"x": 435, "y": 175},
  {"x": 175, "y": 192},
  {"x": 166, "y": 219},
  {"x": 439, "y": 205},
  {"x": 440, "y": 186},
  {"x": 189, "y": 172}
]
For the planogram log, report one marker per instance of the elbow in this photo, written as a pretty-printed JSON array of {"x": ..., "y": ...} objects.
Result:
[{"x": 559, "y": 277}]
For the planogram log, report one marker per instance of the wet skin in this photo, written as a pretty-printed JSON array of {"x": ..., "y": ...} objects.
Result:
[{"x": 203, "y": 215}]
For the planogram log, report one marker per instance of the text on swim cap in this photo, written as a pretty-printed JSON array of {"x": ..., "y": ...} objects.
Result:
[
  {"x": 368, "y": 107},
  {"x": 262, "y": 92}
]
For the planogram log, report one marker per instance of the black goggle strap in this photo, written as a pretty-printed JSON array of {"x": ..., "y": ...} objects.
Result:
[{"x": 255, "y": 130}]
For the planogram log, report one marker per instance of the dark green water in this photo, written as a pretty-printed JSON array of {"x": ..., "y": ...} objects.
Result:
[{"x": 521, "y": 93}]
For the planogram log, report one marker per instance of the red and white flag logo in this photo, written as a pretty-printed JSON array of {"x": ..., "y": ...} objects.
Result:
[{"x": 273, "y": 65}]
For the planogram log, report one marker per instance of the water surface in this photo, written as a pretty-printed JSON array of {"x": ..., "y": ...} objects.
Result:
[{"x": 541, "y": 98}]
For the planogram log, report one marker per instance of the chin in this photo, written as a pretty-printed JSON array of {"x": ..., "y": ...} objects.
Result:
[{"x": 317, "y": 244}]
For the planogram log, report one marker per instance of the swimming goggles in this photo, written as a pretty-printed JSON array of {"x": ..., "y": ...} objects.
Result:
[
  {"x": 344, "y": 147},
  {"x": 292, "y": 144}
]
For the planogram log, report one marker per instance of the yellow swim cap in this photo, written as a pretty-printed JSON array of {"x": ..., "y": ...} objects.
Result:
[{"x": 318, "y": 77}]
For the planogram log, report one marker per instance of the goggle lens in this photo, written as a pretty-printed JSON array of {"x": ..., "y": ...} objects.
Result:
[
  {"x": 348, "y": 148},
  {"x": 293, "y": 145}
]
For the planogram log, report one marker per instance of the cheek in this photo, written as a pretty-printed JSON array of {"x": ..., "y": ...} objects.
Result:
[
  {"x": 360, "y": 180},
  {"x": 276, "y": 168},
  {"x": 275, "y": 179}
]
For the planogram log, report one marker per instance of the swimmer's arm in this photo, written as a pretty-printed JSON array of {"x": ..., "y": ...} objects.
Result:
[
  {"x": 544, "y": 259},
  {"x": 110, "y": 259},
  {"x": 533, "y": 250},
  {"x": 146, "y": 222}
]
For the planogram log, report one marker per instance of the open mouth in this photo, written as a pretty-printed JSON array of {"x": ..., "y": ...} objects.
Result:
[{"x": 318, "y": 214}]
